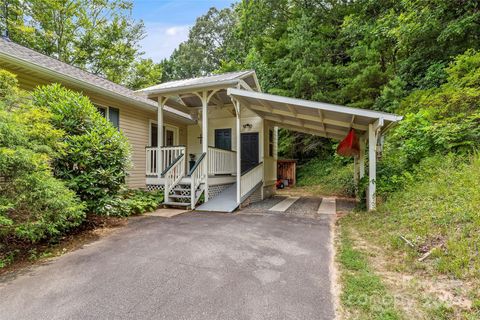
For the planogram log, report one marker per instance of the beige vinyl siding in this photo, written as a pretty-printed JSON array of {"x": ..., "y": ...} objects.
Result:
[{"x": 134, "y": 123}]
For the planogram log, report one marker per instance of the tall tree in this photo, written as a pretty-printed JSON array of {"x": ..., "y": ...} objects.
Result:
[
  {"x": 98, "y": 35},
  {"x": 208, "y": 44}
]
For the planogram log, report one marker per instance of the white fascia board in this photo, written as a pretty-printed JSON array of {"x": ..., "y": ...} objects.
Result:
[
  {"x": 188, "y": 88},
  {"x": 314, "y": 105}
]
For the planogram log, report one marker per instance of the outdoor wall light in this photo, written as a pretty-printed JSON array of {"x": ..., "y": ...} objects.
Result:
[{"x": 247, "y": 126}]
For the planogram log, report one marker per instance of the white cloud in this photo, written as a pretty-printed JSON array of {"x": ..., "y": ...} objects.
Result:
[{"x": 162, "y": 39}]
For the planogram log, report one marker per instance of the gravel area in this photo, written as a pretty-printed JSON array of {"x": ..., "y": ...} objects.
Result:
[
  {"x": 263, "y": 206},
  {"x": 305, "y": 207}
]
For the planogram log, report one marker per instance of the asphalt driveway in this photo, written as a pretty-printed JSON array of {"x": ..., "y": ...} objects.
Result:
[{"x": 192, "y": 266}]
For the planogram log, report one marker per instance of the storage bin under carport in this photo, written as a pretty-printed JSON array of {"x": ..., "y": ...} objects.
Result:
[{"x": 287, "y": 171}]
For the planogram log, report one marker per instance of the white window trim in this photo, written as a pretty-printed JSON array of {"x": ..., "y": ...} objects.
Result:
[{"x": 166, "y": 126}]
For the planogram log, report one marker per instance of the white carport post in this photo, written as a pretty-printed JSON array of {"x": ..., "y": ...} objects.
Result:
[
  {"x": 205, "y": 139},
  {"x": 373, "y": 129},
  {"x": 161, "y": 103},
  {"x": 236, "y": 103}
]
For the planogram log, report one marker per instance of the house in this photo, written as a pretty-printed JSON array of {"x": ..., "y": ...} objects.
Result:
[{"x": 213, "y": 137}]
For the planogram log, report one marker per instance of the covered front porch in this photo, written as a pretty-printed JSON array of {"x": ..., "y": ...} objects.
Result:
[{"x": 224, "y": 150}]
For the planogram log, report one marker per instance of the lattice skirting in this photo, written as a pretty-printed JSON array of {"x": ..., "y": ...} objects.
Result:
[
  {"x": 155, "y": 187},
  {"x": 215, "y": 190}
]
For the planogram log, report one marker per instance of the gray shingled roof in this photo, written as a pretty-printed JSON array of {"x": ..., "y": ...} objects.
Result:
[
  {"x": 204, "y": 81},
  {"x": 20, "y": 53}
]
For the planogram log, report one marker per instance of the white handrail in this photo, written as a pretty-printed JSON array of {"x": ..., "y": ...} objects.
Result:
[
  {"x": 197, "y": 177},
  {"x": 168, "y": 154},
  {"x": 250, "y": 179},
  {"x": 221, "y": 161},
  {"x": 173, "y": 176}
]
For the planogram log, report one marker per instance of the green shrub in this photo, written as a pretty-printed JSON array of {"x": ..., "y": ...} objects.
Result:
[
  {"x": 437, "y": 121},
  {"x": 33, "y": 204},
  {"x": 96, "y": 157},
  {"x": 37, "y": 206},
  {"x": 130, "y": 202},
  {"x": 139, "y": 201}
]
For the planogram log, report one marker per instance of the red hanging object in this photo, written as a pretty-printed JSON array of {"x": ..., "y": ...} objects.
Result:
[{"x": 349, "y": 146}]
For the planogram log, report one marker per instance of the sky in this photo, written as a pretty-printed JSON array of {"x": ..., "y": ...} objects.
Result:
[{"x": 167, "y": 22}]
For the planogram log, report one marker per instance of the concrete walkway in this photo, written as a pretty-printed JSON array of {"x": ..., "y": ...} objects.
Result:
[
  {"x": 284, "y": 205},
  {"x": 191, "y": 266}
]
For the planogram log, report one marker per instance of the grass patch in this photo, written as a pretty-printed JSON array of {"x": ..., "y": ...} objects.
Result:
[
  {"x": 327, "y": 176},
  {"x": 438, "y": 211},
  {"x": 363, "y": 296}
]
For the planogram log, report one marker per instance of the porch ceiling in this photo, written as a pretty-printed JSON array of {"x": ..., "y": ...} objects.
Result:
[{"x": 322, "y": 119}]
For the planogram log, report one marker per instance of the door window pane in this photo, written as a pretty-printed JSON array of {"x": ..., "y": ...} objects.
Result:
[
  {"x": 154, "y": 135},
  {"x": 169, "y": 141},
  {"x": 223, "y": 139},
  {"x": 114, "y": 116}
]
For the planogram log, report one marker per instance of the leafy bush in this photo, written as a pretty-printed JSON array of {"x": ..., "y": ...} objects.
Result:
[
  {"x": 437, "y": 121},
  {"x": 96, "y": 157},
  {"x": 130, "y": 202},
  {"x": 37, "y": 206},
  {"x": 33, "y": 204},
  {"x": 139, "y": 201}
]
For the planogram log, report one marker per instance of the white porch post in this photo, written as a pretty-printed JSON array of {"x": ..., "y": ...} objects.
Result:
[
  {"x": 161, "y": 103},
  {"x": 372, "y": 167},
  {"x": 239, "y": 151},
  {"x": 205, "y": 139}
]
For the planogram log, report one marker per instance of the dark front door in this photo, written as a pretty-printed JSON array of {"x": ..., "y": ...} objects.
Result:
[
  {"x": 249, "y": 148},
  {"x": 223, "y": 139},
  {"x": 168, "y": 138}
]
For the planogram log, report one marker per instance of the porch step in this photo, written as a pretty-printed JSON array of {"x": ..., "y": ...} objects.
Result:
[
  {"x": 179, "y": 204},
  {"x": 180, "y": 196}
]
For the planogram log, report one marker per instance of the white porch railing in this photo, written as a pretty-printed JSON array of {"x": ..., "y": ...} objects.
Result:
[
  {"x": 221, "y": 161},
  {"x": 174, "y": 174},
  {"x": 197, "y": 175},
  {"x": 250, "y": 179},
  {"x": 151, "y": 166},
  {"x": 168, "y": 154}
]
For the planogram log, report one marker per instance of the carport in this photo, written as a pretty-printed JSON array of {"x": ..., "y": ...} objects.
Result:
[{"x": 325, "y": 120}]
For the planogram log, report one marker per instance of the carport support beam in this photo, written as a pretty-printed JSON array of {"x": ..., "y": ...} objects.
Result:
[
  {"x": 373, "y": 134},
  {"x": 205, "y": 139},
  {"x": 239, "y": 151},
  {"x": 161, "y": 103}
]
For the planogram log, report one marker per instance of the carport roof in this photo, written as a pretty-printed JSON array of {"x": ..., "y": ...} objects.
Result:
[{"x": 322, "y": 119}]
